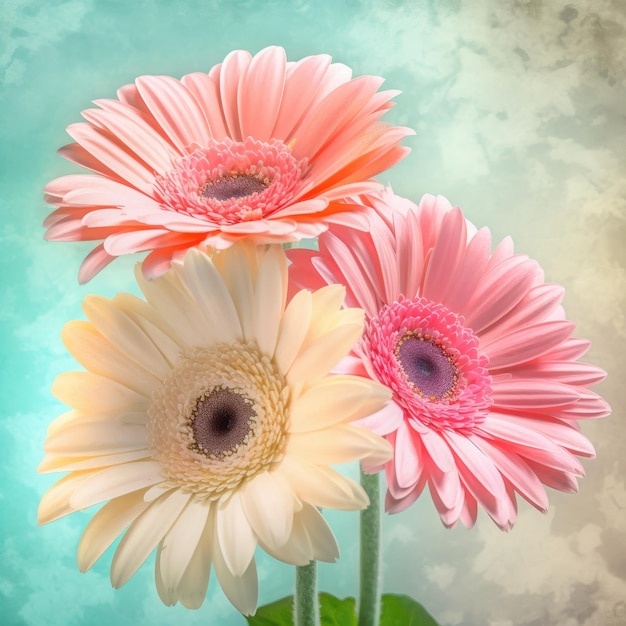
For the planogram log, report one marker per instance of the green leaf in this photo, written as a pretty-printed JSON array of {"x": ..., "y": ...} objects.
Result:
[
  {"x": 333, "y": 612},
  {"x": 279, "y": 613},
  {"x": 395, "y": 611},
  {"x": 336, "y": 612},
  {"x": 403, "y": 611}
]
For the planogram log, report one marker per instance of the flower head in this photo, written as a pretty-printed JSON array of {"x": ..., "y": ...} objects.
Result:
[
  {"x": 487, "y": 389},
  {"x": 207, "y": 419},
  {"x": 258, "y": 148}
]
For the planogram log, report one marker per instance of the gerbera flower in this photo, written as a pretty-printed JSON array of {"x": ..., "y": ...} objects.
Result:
[
  {"x": 477, "y": 351},
  {"x": 207, "y": 420},
  {"x": 258, "y": 148}
]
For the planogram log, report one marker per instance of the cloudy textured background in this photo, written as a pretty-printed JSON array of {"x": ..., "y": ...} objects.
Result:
[{"x": 519, "y": 106}]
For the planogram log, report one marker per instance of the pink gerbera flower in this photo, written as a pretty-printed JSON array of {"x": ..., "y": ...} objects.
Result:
[
  {"x": 477, "y": 351},
  {"x": 258, "y": 148}
]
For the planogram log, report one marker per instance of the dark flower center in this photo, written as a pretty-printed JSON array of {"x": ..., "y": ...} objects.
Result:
[
  {"x": 233, "y": 187},
  {"x": 428, "y": 368},
  {"x": 221, "y": 422}
]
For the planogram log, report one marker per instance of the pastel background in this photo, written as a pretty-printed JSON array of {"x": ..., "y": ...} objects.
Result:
[{"x": 520, "y": 112}]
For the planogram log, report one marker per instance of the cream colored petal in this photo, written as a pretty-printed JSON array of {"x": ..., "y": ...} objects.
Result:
[
  {"x": 76, "y": 417},
  {"x": 107, "y": 525},
  {"x": 211, "y": 295},
  {"x": 293, "y": 329},
  {"x": 268, "y": 503},
  {"x": 235, "y": 534},
  {"x": 116, "y": 481},
  {"x": 269, "y": 298},
  {"x": 322, "y": 539},
  {"x": 340, "y": 444},
  {"x": 55, "y": 503},
  {"x": 152, "y": 324},
  {"x": 144, "y": 535},
  {"x": 242, "y": 591},
  {"x": 315, "y": 361},
  {"x": 92, "y": 393},
  {"x": 322, "y": 486},
  {"x": 167, "y": 596},
  {"x": 156, "y": 491},
  {"x": 193, "y": 586},
  {"x": 334, "y": 400},
  {"x": 55, "y": 463},
  {"x": 298, "y": 550},
  {"x": 96, "y": 438},
  {"x": 122, "y": 331},
  {"x": 181, "y": 542},
  {"x": 179, "y": 310},
  {"x": 234, "y": 266},
  {"x": 98, "y": 355},
  {"x": 61, "y": 420},
  {"x": 326, "y": 303}
]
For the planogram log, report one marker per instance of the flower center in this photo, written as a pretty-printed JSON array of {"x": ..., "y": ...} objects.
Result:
[
  {"x": 221, "y": 421},
  {"x": 219, "y": 418},
  {"x": 233, "y": 186},
  {"x": 429, "y": 369},
  {"x": 229, "y": 182},
  {"x": 431, "y": 362}
]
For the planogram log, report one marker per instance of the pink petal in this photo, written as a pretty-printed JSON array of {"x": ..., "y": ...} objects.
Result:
[
  {"x": 477, "y": 471},
  {"x": 234, "y": 66},
  {"x": 206, "y": 93},
  {"x": 470, "y": 271},
  {"x": 93, "y": 263},
  {"x": 393, "y": 505},
  {"x": 525, "y": 344},
  {"x": 500, "y": 290},
  {"x": 561, "y": 433},
  {"x": 517, "y": 471},
  {"x": 536, "y": 306},
  {"x": 385, "y": 421},
  {"x": 303, "y": 81},
  {"x": 407, "y": 460},
  {"x": 449, "y": 504},
  {"x": 332, "y": 112},
  {"x": 589, "y": 406},
  {"x": 105, "y": 147},
  {"x": 568, "y": 372},
  {"x": 532, "y": 394},
  {"x": 448, "y": 490},
  {"x": 80, "y": 156},
  {"x": 264, "y": 82},
  {"x": 446, "y": 257},
  {"x": 469, "y": 512},
  {"x": 175, "y": 110},
  {"x": 555, "y": 478},
  {"x": 138, "y": 136}
]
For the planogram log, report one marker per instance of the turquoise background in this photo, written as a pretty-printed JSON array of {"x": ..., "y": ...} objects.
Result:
[{"x": 519, "y": 109}]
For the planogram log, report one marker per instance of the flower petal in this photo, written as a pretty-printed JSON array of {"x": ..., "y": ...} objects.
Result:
[
  {"x": 268, "y": 503},
  {"x": 116, "y": 481},
  {"x": 181, "y": 542},
  {"x": 144, "y": 535},
  {"x": 107, "y": 525},
  {"x": 334, "y": 400},
  {"x": 236, "y": 537}
]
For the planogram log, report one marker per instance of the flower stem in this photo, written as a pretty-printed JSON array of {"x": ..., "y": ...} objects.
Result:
[
  {"x": 369, "y": 599},
  {"x": 306, "y": 608}
]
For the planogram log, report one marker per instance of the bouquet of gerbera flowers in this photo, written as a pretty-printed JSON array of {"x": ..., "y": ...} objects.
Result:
[{"x": 209, "y": 411}]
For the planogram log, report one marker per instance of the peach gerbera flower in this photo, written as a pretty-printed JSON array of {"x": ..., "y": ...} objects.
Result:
[
  {"x": 258, "y": 148},
  {"x": 207, "y": 420},
  {"x": 476, "y": 348}
]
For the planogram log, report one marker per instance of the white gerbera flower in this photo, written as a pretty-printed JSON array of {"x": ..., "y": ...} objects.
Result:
[{"x": 207, "y": 419}]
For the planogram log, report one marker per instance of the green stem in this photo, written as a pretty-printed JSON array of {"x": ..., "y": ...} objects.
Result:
[
  {"x": 306, "y": 608},
  {"x": 369, "y": 598}
]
